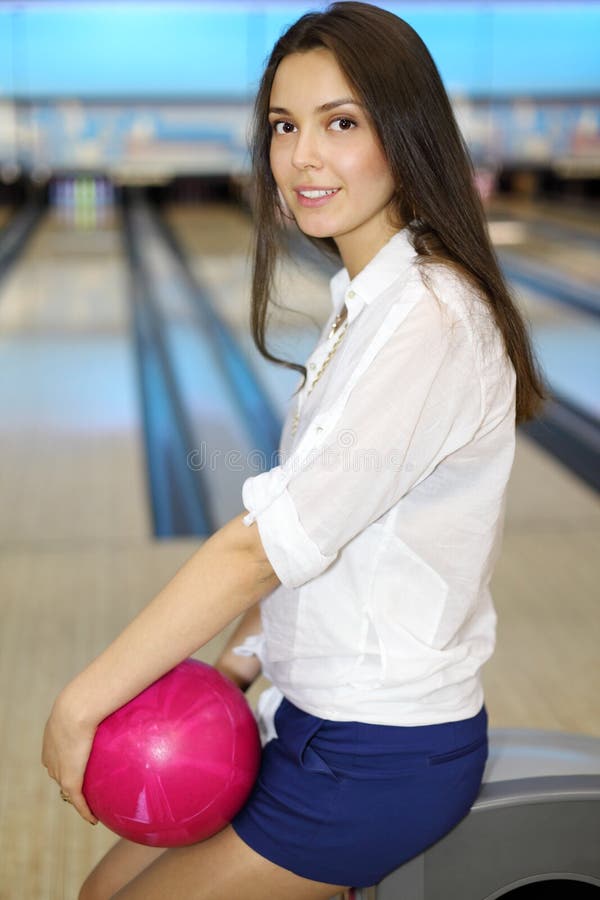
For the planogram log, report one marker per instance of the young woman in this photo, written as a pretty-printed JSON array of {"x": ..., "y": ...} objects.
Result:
[{"x": 371, "y": 546}]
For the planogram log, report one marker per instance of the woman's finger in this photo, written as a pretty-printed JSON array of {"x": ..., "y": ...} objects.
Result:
[
  {"x": 76, "y": 799},
  {"x": 79, "y": 803}
]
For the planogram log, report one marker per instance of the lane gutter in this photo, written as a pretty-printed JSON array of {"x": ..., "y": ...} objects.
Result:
[
  {"x": 571, "y": 435},
  {"x": 178, "y": 499},
  {"x": 550, "y": 283},
  {"x": 260, "y": 420},
  {"x": 15, "y": 233}
]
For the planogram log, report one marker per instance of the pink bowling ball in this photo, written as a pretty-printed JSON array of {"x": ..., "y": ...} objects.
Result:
[{"x": 176, "y": 763}]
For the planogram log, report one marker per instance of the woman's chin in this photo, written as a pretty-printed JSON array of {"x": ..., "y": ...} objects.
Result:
[{"x": 314, "y": 230}]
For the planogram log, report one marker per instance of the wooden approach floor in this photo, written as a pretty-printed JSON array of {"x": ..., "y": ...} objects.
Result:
[{"x": 77, "y": 559}]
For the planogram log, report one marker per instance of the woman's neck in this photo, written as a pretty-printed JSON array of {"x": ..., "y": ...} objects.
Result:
[{"x": 357, "y": 248}]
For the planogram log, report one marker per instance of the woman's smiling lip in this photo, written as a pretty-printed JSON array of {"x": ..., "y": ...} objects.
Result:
[{"x": 314, "y": 201}]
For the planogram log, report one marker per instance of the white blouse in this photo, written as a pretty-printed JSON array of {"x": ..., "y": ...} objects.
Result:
[{"x": 383, "y": 520}]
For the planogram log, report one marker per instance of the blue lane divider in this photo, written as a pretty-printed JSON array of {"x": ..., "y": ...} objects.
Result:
[
  {"x": 178, "y": 499},
  {"x": 260, "y": 420},
  {"x": 547, "y": 281},
  {"x": 16, "y": 232},
  {"x": 570, "y": 435}
]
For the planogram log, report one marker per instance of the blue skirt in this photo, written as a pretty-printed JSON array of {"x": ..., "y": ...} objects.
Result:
[{"x": 346, "y": 802}]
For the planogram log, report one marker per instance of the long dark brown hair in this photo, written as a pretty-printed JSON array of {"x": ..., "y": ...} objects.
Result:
[{"x": 395, "y": 78}]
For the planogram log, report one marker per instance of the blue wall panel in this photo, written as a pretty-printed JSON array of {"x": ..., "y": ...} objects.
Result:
[{"x": 210, "y": 50}]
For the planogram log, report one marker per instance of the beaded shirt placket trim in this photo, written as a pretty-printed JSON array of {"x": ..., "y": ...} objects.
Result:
[{"x": 341, "y": 318}]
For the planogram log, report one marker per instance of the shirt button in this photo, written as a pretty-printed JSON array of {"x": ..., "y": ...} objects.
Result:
[
  {"x": 319, "y": 429},
  {"x": 312, "y": 366},
  {"x": 351, "y": 294}
]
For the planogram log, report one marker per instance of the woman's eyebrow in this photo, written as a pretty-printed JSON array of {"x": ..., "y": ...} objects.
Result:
[{"x": 325, "y": 107}]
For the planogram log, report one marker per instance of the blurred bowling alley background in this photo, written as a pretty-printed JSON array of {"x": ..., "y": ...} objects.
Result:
[{"x": 133, "y": 403}]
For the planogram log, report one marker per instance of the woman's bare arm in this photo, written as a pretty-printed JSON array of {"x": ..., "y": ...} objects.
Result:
[
  {"x": 243, "y": 670},
  {"x": 227, "y": 575}
]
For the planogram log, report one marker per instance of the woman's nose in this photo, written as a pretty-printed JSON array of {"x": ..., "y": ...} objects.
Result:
[{"x": 306, "y": 150}]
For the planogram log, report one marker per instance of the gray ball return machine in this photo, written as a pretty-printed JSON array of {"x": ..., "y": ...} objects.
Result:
[{"x": 532, "y": 833}]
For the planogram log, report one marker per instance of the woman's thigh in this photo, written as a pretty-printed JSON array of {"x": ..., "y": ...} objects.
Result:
[
  {"x": 220, "y": 868},
  {"x": 123, "y": 862}
]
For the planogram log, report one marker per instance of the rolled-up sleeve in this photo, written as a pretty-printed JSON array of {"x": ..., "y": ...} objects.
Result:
[
  {"x": 294, "y": 556},
  {"x": 419, "y": 400}
]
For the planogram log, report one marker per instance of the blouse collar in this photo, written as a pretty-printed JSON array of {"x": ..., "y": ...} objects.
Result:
[{"x": 388, "y": 264}]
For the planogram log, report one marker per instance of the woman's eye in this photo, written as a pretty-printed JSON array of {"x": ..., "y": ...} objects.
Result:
[
  {"x": 344, "y": 124},
  {"x": 283, "y": 127}
]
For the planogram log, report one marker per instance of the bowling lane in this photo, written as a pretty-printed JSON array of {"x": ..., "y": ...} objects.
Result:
[
  {"x": 570, "y": 259},
  {"x": 559, "y": 248},
  {"x": 567, "y": 343},
  {"x": 582, "y": 219},
  {"x": 70, "y": 433},
  {"x": 216, "y": 239},
  {"x": 561, "y": 240}
]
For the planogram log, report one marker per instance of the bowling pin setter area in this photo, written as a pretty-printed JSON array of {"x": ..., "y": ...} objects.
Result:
[{"x": 134, "y": 404}]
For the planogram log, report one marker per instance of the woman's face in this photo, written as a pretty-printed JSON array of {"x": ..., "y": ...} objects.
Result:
[{"x": 322, "y": 139}]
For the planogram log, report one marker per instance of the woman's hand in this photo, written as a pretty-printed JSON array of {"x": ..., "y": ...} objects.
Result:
[{"x": 66, "y": 749}]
